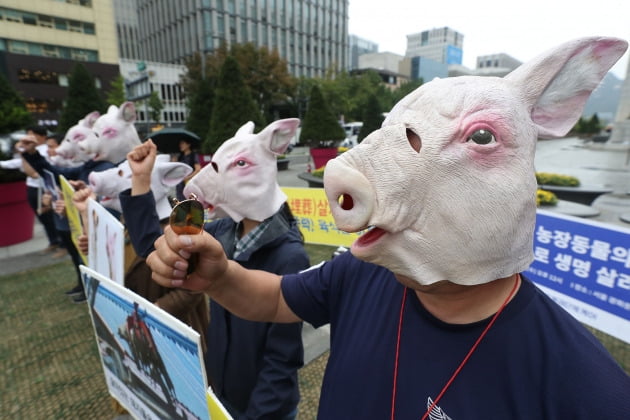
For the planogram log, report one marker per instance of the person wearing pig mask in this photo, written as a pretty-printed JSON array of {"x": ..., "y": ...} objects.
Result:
[
  {"x": 251, "y": 366},
  {"x": 189, "y": 307},
  {"x": 430, "y": 315}
]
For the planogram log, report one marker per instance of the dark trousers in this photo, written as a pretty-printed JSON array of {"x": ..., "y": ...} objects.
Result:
[
  {"x": 66, "y": 238},
  {"x": 46, "y": 219}
]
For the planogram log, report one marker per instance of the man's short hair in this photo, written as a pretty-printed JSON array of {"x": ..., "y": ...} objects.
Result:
[
  {"x": 38, "y": 129},
  {"x": 58, "y": 137}
]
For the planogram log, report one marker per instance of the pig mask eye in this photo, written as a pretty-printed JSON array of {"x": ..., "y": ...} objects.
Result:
[
  {"x": 482, "y": 137},
  {"x": 109, "y": 132}
]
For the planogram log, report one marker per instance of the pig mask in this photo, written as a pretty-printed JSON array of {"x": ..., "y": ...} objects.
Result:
[
  {"x": 70, "y": 149},
  {"x": 240, "y": 182},
  {"x": 447, "y": 184},
  {"x": 165, "y": 175},
  {"x": 115, "y": 134}
]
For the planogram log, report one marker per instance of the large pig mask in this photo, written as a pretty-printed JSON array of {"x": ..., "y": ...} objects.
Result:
[
  {"x": 240, "y": 182},
  {"x": 447, "y": 185},
  {"x": 115, "y": 134}
]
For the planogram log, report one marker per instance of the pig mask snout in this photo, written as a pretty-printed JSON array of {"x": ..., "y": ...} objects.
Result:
[{"x": 350, "y": 195}]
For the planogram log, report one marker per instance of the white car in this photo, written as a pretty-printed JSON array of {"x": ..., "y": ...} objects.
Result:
[{"x": 352, "y": 133}]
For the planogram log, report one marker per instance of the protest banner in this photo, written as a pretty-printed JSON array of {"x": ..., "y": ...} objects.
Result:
[
  {"x": 153, "y": 363},
  {"x": 106, "y": 244},
  {"x": 72, "y": 213},
  {"x": 310, "y": 208},
  {"x": 584, "y": 266}
]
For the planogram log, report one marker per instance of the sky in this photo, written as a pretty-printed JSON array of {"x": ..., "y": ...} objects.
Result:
[{"x": 522, "y": 30}]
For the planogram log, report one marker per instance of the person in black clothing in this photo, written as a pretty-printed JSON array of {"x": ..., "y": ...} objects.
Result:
[
  {"x": 46, "y": 218},
  {"x": 79, "y": 173},
  {"x": 188, "y": 156}
]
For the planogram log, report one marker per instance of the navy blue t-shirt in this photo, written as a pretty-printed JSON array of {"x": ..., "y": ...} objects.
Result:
[{"x": 536, "y": 362}]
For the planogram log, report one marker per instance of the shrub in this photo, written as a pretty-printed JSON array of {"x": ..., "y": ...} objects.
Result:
[
  {"x": 545, "y": 198},
  {"x": 547, "y": 178}
]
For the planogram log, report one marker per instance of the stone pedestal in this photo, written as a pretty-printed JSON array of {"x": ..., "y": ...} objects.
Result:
[{"x": 620, "y": 132}]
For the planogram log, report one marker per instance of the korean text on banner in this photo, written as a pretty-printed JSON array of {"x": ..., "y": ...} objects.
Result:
[
  {"x": 585, "y": 266},
  {"x": 310, "y": 208}
]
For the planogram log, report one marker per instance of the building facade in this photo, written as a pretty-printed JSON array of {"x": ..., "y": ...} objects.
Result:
[
  {"x": 42, "y": 40},
  {"x": 127, "y": 29},
  {"x": 496, "y": 64},
  {"x": 165, "y": 80},
  {"x": 358, "y": 46},
  {"x": 312, "y": 36},
  {"x": 426, "y": 69},
  {"x": 443, "y": 45}
]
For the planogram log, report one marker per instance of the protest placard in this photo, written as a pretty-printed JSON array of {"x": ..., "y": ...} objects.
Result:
[
  {"x": 584, "y": 265},
  {"x": 153, "y": 363},
  {"x": 312, "y": 212},
  {"x": 106, "y": 243},
  {"x": 72, "y": 213}
]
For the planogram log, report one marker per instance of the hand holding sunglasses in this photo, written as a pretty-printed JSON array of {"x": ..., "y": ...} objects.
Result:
[{"x": 187, "y": 218}]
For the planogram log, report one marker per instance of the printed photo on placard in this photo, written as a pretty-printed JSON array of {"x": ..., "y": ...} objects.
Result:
[
  {"x": 106, "y": 243},
  {"x": 50, "y": 184},
  {"x": 153, "y": 363}
]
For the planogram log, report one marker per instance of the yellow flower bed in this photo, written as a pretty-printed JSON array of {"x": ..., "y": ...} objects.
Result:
[
  {"x": 545, "y": 198},
  {"x": 548, "y": 178},
  {"x": 319, "y": 172}
]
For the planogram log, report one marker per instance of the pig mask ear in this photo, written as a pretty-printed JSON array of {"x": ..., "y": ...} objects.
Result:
[
  {"x": 172, "y": 173},
  {"x": 90, "y": 119},
  {"x": 247, "y": 128},
  {"x": 127, "y": 112},
  {"x": 279, "y": 133},
  {"x": 558, "y": 83}
]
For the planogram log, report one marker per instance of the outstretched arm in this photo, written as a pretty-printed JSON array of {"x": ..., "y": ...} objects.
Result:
[{"x": 251, "y": 294}]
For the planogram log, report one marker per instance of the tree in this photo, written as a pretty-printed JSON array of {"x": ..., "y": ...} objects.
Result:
[
  {"x": 372, "y": 117},
  {"x": 155, "y": 105},
  {"x": 405, "y": 89},
  {"x": 264, "y": 72},
  {"x": 198, "y": 86},
  {"x": 320, "y": 127},
  {"x": 83, "y": 98},
  {"x": 233, "y": 107},
  {"x": 116, "y": 94},
  {"x": 13, "y": 112},
  {"x": 199, "y": 103}
]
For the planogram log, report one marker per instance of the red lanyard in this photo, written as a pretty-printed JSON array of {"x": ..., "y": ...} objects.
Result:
[{"x": 461, "y": 365}]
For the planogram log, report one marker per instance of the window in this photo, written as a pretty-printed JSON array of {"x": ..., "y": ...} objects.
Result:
[
  {"x": 78, "y": 55},
  {"x": 63, "y": 80},
  {"x": 13, "y": 16},
  {"x": 45, "y": 21},
  {"x": 61, "y": 24},
  {"x": 75, "y": 26},
  {"x": 50, "y": 51},
  {"x": 18, "y": 47},
  {"x": 29, "y": 19}
]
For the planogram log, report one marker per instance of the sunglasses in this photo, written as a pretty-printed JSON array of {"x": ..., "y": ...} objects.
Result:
[{"x": 187, "y": 218}]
